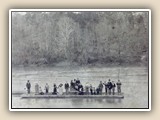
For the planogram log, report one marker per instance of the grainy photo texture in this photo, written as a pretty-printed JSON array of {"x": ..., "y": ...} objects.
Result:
[{"x": 85, "y": 59}]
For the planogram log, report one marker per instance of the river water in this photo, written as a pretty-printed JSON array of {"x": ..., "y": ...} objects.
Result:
[{"x": 134, "y": 86}]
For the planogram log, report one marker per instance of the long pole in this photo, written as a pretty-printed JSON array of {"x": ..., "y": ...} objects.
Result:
[
  {"x": 119, "y": 60},
  {"x": 119, "y": 52}
]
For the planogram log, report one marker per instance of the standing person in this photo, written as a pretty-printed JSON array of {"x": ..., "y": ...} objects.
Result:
[
  {"x": 106, "y": 87},
  {"x": 54, "y": 89},
  {"x": 113, "y": 87},
  {"x": 74, "y": 83},
  {"x": 100, "y": 87},
  {"x": 60, "y": 89},
  {"x": 87, "y": 88},
  {"x": 47, "y": 88},
  {"x": 66, "y": 86},
  {"x": 71, "y": 85},
  {"x": 119, "y": 86},
  {"x": 36, "y": 88},
  {"x": 109, "y": 84},
  {"x": 28, "y": 86},
  {"x": 91, "y": 89}
]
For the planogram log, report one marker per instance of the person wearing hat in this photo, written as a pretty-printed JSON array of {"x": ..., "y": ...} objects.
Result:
[
  {"x": 28, "y": 86},
  {"x": 109, "y": 84},
  {"x": 54, "y": 89}
]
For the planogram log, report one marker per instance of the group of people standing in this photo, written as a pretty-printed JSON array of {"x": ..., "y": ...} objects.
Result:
[
  {"x": 76, "y": 87},
  {"x": 88, "y": 89}
]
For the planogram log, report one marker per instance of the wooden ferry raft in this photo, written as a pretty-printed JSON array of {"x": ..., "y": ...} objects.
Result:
[{"x": 71, "y": 96}]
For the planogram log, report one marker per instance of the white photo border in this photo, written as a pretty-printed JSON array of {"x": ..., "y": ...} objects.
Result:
[{"x": 77, "y": 109}]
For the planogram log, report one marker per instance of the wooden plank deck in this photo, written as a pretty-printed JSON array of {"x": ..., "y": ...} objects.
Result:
[{"x": 71, "y": 96}]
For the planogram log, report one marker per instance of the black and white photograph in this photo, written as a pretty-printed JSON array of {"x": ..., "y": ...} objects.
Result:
[{"x": 79, "y": 60}]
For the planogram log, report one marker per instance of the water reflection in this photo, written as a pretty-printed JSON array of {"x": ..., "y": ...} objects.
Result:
[
  {"x": 77, "y": 102},
  {"x": 93, "y": 102},
  {"x": 110, "y": 100}
]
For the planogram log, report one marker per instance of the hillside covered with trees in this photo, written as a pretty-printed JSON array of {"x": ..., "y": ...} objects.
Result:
[{"x": 79, "y": 37}]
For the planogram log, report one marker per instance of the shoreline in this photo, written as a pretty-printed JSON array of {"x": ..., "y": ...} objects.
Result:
[{"x": 74, "y": 65}]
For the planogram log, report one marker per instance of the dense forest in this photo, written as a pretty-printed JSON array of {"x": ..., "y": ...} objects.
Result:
[{"x": 79, "y": 37}]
